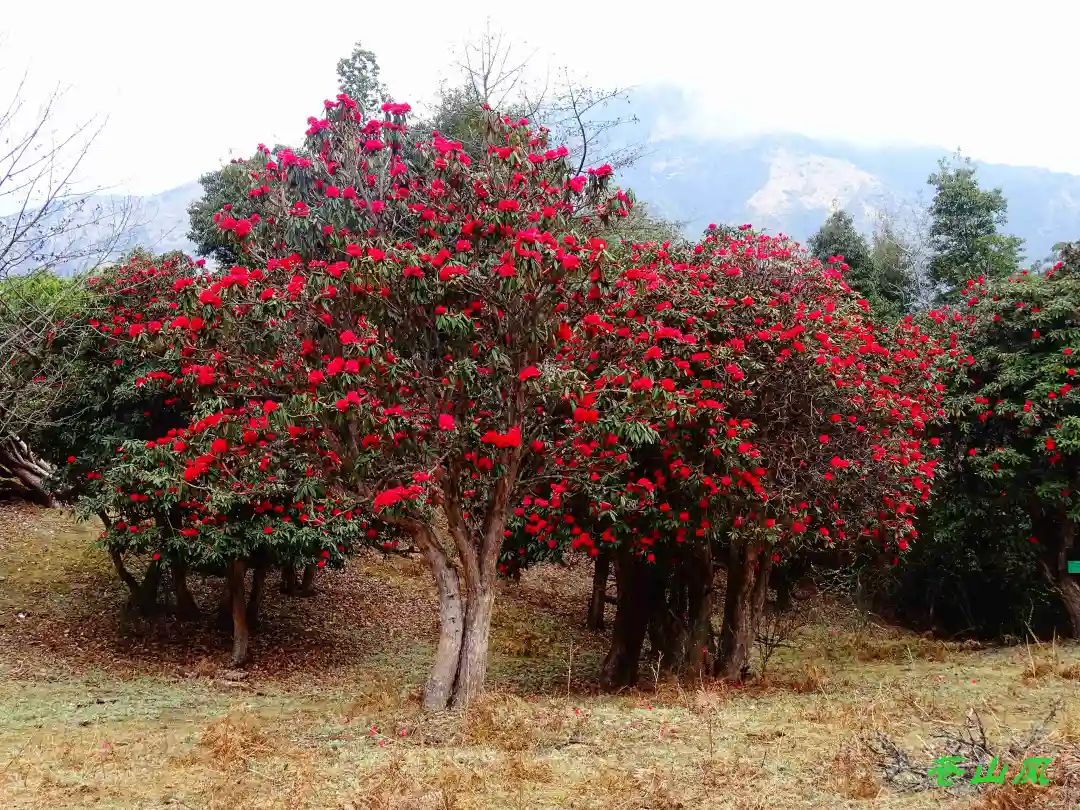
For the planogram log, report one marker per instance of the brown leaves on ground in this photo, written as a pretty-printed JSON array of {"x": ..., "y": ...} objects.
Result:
[
  {"x": 61, "y": 605},
  {"x": 102, "y": 709}
]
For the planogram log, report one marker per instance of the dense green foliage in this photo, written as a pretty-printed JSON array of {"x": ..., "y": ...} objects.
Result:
[
  {"x": 227, "y": 186},
  {"x": 358, "y": 78},
  {"x": 838, "y": 237},
  {"x": 895, "y": 286},
  {"x": 880, "y": 272},
  {"x": 964, "y": 230}
]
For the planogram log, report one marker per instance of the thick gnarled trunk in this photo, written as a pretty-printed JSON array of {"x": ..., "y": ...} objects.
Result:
[
  {"x": 466, "y": 591},
  {"x": 1069, "y": 588},
  {"x": 258, "y": 588},
  {"x": 307, "y": 584},
  {"x": 143, "y": 593},
  {"x": 288, "y": 579},
  {"x": 681, "y": 628},
  {"x": 1057, "y": 538},
  {"x": 744, "y": 601},
  {"x": 1059, "y": 546},
  {"x": 440, "y": 682},
  {"x": 670, "y": 599},
  {"x": 698, "y": 575},
  {"x": 185, "y": 603},
  {"x": 460, "y": 666},
  {"x": 640, "y": 586},
  {"x": 472, "y": 667}
]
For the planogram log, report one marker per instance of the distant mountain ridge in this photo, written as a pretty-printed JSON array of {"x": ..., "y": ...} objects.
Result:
[
  {"x": 790, "y": 183},
  {"x": 784, "y": 183}
]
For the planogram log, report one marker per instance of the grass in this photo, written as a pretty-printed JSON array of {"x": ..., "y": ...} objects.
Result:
[{"x": 98, "y": 710}]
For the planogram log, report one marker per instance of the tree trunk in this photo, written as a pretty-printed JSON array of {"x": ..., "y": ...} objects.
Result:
[
  {"x": 465, "y": 623},
  {"x": 258, "y": 588},
  {"x": 24, "y": 472},
  {"x": 440, "y": 682},
  {"x": 747, "y": 587},
  {"x": 667, "y": 627},
  {"x": 784, "y": 583},
  {"x": 1069, "y": 584},
  {"x": 472, "y": 669},
  {"x": 147, "y": 598},
  {"x": 1057, "y": 538},
  {"x": 224, "y": 608},
  {"x": 236, "y": 572},
  {"x": 132, "y": 584},
  {"x": 681, "y": 627},
  {"x": 638, "y": 585},
  {"x": 480, "y": 561},
  {"x": 460, "y": 667},
  {"x": 288, "y": 580},
  {"x": 601, "y": 570},
  {"x": 1070, "y": 597},
  {"x": 1056, "y": 568},
  {"x": 307, "y": 587},
  {"x": 699, "y": 574},
  {"x": 117, "y": 558},
  {"x": 185, "y": 603}
]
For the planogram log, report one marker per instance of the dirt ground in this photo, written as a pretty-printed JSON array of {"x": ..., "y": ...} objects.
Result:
[{"x": 102, "y": 710}]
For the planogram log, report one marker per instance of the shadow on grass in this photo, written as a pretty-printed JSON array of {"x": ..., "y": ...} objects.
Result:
[{"x": 64, "y": 610}]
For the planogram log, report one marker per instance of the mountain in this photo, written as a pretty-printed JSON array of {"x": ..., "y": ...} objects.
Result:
[
  {"x": 161, "y": 220},
  {"x": 789, "y": 184},
  {"x": 77, "y": 234},
  {"x": 784, "y": 183}
]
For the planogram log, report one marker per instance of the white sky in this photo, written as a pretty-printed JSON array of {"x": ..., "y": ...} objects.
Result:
[{"x": 187, "y": 84}]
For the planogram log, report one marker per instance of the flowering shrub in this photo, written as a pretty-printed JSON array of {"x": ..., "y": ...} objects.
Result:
[
  {"x": 789, "y": 416},
  {"x": 1021, "y": 434},
  {"x": 427, "y": 344},
  {"x": 183, "y": 467},
  {"x": 126, "y": 311}
]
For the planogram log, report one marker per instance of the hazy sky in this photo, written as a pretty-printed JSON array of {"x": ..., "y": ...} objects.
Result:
[{"x": 187, "y": 84}]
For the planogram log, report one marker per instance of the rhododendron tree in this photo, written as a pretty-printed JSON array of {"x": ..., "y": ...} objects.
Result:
[
  {"x": 183, "y": 466},
  {"x": 422, "y": 313},
  {"x": 790, "y": 416},
  {"x": 236, "y": 497},
  {"x": 1022, "y": 431},
  {"x": 103, "y": 352}
]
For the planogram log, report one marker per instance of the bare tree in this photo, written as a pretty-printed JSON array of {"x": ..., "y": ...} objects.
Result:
[
  {"x": 49, "y": 225},
  {"x": 905, "y": 229},
  {"x": 494, "y": 71}
]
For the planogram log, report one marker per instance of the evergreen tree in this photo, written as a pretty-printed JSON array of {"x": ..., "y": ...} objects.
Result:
[
  {"x": 228, "y": 185},
  {"x": 838, "y": 237},
  {"x": 358, "y": 78},
  {"x": 965, "y": 241}
]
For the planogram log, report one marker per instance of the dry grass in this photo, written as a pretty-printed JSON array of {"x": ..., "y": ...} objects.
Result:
[{"x": 101, "y": 711}]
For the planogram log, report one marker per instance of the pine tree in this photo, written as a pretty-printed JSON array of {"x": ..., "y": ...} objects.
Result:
[
  {"x": 838, "y": 237},
  {"x": 358, "y": 78},
  {"x": 964, "y": 233}
]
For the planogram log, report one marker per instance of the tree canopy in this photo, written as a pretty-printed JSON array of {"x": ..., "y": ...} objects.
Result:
[{"x": 965, "y": 236}]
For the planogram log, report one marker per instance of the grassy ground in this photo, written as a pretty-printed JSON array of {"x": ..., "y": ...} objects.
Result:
[{"x": 98, "y": 710}]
